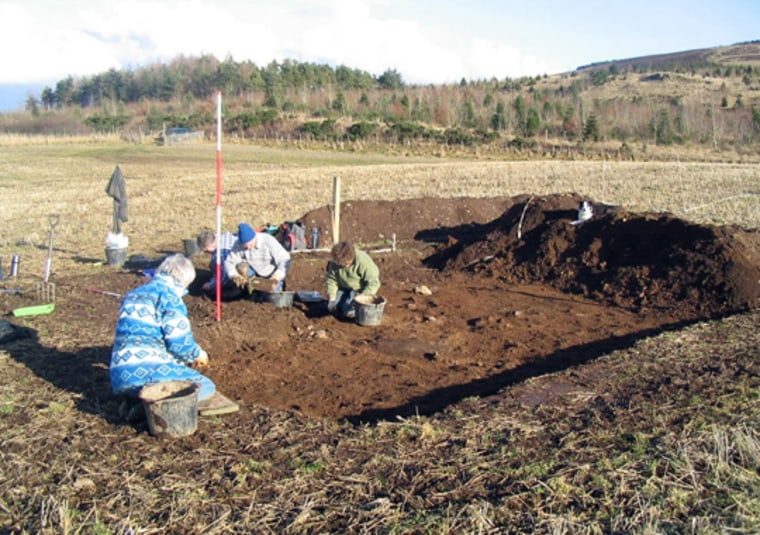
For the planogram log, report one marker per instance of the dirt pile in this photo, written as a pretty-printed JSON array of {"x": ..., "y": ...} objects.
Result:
[
  {"x": 636, "y": 261},
  {"x": 375, "y": 222}
]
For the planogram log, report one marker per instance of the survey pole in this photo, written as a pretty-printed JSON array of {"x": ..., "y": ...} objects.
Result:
[{"x": 218, "y": 205}]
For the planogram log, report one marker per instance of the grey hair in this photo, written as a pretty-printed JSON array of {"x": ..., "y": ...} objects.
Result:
[
  {"x": 205, "y": 239},
  {"x": 178, "y": 266}
]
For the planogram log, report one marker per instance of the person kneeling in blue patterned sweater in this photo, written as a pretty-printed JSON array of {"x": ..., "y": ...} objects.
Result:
[{"x": 154, "y": 340}]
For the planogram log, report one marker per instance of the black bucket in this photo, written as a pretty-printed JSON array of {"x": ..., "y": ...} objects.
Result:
[
  {"x": 276, "y": 299},
  {"x": 369, "y": 309},
  {"x": 171, "y": 408},
  {"x": 191, "y": 247}
]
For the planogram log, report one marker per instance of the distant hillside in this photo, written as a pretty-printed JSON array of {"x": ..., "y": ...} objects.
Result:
[
  {"x": 699, "y": 98},
  {"x": 745, "y": 54}
]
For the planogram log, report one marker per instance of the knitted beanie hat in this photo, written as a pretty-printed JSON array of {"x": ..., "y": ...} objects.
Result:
[{"x": 245, "y": 233}]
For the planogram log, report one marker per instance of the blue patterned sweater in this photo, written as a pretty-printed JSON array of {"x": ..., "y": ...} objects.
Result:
[{"x": 153, "y": 340}]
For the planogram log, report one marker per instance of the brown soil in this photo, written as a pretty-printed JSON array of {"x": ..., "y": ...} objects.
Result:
[{"x": 516, "y": 291}]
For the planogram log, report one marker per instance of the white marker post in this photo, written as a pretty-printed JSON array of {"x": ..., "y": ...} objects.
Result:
[
  {"x": 336, "y": 210},
  {"x": 218, "y": 205}
]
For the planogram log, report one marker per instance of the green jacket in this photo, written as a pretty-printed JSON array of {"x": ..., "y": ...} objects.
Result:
[{"x": 363, "y": 276}]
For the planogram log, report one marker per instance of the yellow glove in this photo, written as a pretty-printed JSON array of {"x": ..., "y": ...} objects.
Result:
[{"x": 240, "y": 281}]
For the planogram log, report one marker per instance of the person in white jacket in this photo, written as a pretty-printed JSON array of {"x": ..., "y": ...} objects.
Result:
[{"x": 265, "y": 257}]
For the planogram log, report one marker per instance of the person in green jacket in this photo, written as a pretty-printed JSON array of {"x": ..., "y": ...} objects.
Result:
[{"x": 350, "y": 272}]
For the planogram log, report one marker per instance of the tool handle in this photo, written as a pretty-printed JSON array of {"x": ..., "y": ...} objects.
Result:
[{"x": 96, "y": 291}]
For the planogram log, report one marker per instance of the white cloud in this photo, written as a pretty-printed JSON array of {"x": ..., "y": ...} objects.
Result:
[
  {"x": 50, "y": 40},
  {"x": 35, "y": 53},
  {"x": 489, "y": 58}
]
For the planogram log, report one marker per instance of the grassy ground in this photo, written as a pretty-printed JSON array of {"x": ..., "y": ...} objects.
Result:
[
  {"x": 660, "y": 438},
  {"x": 171, "y": 190}
]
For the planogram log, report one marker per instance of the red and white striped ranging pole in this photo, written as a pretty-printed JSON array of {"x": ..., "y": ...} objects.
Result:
[{"x": 218, "y": 205}]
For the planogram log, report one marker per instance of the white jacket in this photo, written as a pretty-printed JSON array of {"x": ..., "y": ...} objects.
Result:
[{"x": 268, "y": 258}]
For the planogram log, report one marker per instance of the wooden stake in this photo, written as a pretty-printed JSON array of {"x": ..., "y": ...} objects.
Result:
[
  {"x": 519, "y": 226},
  {"x": 336, "y": 210}
]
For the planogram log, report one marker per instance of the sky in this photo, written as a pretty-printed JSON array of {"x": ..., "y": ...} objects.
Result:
[{"x": 426, "y": 41}]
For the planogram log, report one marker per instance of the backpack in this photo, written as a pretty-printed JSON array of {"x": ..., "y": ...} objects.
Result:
[{"x": 292, "y": 235}]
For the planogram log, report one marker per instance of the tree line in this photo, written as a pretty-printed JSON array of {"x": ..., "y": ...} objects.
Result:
[
  {"x": 200, "y": 78},
  {"x": 298, "y": 99}
]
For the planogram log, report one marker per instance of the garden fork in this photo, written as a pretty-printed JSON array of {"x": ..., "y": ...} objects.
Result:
[{"x": 46, "y": 290}]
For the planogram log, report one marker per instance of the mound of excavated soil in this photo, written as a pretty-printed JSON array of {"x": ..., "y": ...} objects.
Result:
[
  {"x": 516, "y": 290},
  {"x": 636, "y": 261}
]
